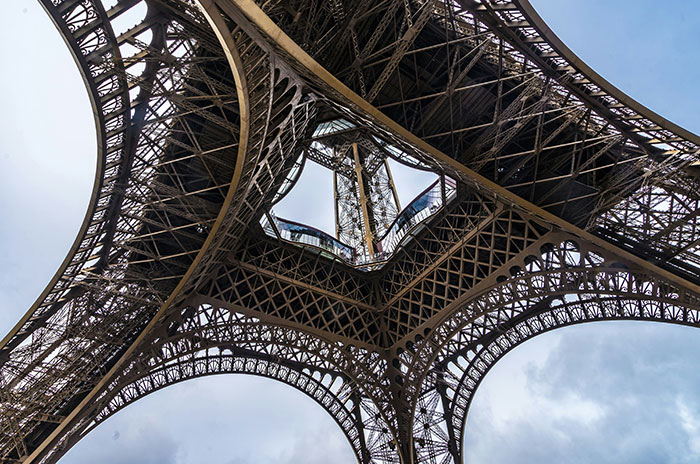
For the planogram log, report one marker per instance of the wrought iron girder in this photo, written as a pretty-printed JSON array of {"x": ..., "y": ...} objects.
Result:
[
  {"x": 181, "y": 291},
  {"x": 661, "y": 222},
  {"x": 561, "y": 283},
  {"x": 518, "y": 47},
  {"x": 509, "y": 23},
  {"x": 309, "y": 292},
  {"x": 209, "y": 338},
  {"x": 461, "y": 260}
]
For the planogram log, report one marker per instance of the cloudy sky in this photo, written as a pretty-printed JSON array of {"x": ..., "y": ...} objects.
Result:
[{"x": 598, "y": 393}]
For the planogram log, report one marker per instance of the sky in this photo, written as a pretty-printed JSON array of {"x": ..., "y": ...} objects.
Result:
[
  {"x": 314, "y": 190},
  {"x": 599, "y": 392}
]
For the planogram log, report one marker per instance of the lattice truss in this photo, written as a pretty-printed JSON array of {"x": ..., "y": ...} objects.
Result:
[
  {"x": 366, "y": 202},
  {"x": 487, "y": 84},
  {"x": 572, "y": 203}
]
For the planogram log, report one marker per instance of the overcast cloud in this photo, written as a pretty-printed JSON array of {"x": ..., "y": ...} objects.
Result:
[{"x": 599, "y": 393}]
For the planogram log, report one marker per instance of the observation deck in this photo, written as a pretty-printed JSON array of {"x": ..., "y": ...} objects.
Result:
[{"x": 407, "y": 223}]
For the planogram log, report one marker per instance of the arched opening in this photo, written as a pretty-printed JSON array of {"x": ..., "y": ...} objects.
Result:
[
  {"x": 596, "y": 392},
  {"x": 223, "y": 418},
  {"x": 47, "y": 156},
  {"x": 475, "y": 352}
]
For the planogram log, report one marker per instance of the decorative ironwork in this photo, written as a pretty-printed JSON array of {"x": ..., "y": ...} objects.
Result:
[{"x": 559, "y": 201}]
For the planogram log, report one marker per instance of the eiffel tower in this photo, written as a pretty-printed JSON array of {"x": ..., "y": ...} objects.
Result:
[{"x": 559, "y": 200}]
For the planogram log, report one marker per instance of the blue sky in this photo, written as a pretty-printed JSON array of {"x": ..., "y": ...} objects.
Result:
[{"x": 604, "y": 392}]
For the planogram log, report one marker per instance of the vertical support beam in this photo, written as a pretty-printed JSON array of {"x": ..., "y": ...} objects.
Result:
[
  {"x": 443, "y": 191},
  {"x": 365, "y": 457},
  {"x": 369, "y": 235},
  {"x": 335, "y": 204},
  {"x": 392, "y": 186},
  {"x": 452, "y": 445}
]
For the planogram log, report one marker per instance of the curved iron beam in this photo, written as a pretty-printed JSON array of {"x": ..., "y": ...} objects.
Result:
[
  {"x": 566, "y": 284},
  {"x": 124, "y": 352},
  {"x": 109, "y": 103},
  {"x": 535, "y": 21}
]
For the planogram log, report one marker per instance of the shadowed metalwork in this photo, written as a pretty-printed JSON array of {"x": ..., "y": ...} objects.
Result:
[{"x": 559, "y": 200}]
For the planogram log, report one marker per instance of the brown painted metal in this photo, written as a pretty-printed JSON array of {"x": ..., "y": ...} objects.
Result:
[
  {"x": 573, "y": 203},
  {"x": 369, "y": 232}
]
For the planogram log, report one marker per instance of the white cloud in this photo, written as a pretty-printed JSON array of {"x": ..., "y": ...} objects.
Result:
[
  {"x": 600, "y": 392},
  {"x": 690, "y": 421}
]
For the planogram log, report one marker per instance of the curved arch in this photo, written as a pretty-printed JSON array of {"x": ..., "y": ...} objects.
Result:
[
  {"x": 114, "y": 269},
  {"x": 217, "y": 417},
  {"x": 488, "y": 355},
  {"x": 211, "y": 340},
  {"x": 558, "y": 45},
  {"x": 553, "y": 266},
  {"x": 564, "y": 285},
  {"x": 345, "y": 414},
  {"x": 111, "y": 85},
  {"x": 574, "y": 386}
]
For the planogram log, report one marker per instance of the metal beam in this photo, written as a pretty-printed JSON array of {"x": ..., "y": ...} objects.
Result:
[{"x": 258, "y": 17}]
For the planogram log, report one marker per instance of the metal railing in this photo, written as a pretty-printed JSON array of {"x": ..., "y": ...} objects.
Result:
[
  {"x": 422, "y": 207},
  {"x": 300, "y": 233}
]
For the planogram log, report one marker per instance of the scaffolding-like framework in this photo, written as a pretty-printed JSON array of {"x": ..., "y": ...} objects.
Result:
[{"x": 569, "y": 202}]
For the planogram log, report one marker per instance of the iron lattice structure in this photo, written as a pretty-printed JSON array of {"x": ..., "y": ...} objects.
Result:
[{"x": 570, "y": 203}]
